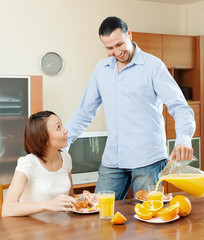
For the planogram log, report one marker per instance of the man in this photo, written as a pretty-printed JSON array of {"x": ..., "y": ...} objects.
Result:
[{"x": 132, "y": 86}]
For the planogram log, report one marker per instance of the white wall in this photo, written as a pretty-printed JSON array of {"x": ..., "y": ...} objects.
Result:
[
  {"x": 30, "y": 28},
  {"x": 196, "y": 19}
]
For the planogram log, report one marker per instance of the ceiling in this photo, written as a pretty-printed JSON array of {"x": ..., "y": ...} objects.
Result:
[{"x": 179, "y": 2}]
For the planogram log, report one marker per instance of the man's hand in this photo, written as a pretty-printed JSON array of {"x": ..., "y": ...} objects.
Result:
[{"x": 181, "y": 152}]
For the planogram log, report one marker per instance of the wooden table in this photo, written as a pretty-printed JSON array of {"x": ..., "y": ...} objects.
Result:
[{"x": 58, "y": 226}]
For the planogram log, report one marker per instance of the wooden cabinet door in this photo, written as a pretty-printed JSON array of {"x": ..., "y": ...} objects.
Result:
[
  {"x": 165, "y": 115},
  {"x": 170, "y": 123},
  {"x": 196, "y": 109},
  {"x": 149, "y": 42},
  {"x": 170, "y": 127},
  {"x": 36, "y": 93},
  {"x": 179, "y": 51}
]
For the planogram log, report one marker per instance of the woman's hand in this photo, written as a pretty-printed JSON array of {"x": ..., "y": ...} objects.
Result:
[{"x": 61, "y": 203}]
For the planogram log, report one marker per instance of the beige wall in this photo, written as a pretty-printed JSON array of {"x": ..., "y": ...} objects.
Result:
[
  {"x": 196, "y": 19},
  {"x": 30, "y": 28}
]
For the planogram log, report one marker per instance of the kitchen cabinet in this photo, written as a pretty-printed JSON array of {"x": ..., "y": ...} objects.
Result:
[
  {"x": 170, "y": 123},
  {"x": 187, "y": 78},
  {"x": 149, "y": 42},
  {"x": 165, "y": 115},
  {"x": 20, "y": 96},
  {"x": 36, "y": 94},
  {"x": 199, "y": 86},
  {"x": 178, "y": 51}
]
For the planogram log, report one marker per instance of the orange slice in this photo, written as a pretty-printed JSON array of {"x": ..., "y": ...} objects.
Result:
[
  {"x": 143, "y": 212},
  {"x": 153, "y": 205},
  {"x": 118, "y": 218},
  {"x": 168, "y": 213}
]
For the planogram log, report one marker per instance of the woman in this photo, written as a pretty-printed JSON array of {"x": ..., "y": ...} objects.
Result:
[{"x": 42, "y": 179}]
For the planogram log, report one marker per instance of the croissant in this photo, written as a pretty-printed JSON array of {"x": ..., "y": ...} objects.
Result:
[
  {"x": 81, "y": 204},
  {"x": 84, "y": 200},
  {"x": 142, "y": 195}
]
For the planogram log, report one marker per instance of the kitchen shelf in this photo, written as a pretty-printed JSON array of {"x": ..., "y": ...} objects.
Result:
[{"x": 12, "y": 117}]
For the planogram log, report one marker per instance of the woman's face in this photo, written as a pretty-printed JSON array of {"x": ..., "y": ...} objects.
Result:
[{"x": 57, "y": 133}]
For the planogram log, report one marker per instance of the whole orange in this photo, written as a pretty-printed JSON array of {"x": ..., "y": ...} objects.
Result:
[{"x": 183, "y": 203}]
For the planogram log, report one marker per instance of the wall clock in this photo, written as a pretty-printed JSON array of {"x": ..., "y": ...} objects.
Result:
[{"x": 51, "y": 63}]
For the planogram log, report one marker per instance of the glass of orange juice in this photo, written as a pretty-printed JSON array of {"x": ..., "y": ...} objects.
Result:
[
  {"x": 155, "y": 194},
  {"x": 106, "y": 203}
]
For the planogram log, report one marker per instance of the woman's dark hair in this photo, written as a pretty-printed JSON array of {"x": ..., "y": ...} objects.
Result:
[
  {"x": 36, "y": 134},
  {"x": 110, "y": 24}
]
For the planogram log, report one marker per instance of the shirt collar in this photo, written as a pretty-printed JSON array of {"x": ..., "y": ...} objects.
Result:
[{"x": 136, "y": 59}]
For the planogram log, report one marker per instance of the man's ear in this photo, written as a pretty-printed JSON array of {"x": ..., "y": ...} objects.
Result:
[{"x": 129, "y": 33}]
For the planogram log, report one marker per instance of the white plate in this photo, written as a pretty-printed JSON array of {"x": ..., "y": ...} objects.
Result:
[
  {"x": 163, "y": 200},
  {"x": 86, "y": 210},
  {"x": 168, "y": 199},
  {"x": 155, "y": 219}
]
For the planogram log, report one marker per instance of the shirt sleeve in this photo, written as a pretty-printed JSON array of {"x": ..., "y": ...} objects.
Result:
[
  {"x": 24, "y": 164},
  {"x": 85, "y": 112},
  {"x": 172, "y": 96}
]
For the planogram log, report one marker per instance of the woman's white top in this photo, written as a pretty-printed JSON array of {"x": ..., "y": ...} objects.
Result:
[{"x": 43, "y": 185}]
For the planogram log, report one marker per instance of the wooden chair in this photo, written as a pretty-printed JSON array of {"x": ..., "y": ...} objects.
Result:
[{"x": 2, "y": 188}]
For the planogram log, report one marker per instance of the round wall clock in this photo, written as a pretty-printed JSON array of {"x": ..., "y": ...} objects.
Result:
[{"x": 51, "y": 63}]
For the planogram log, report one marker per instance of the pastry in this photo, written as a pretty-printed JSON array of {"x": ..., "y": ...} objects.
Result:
[
  {"x": 142, "y": 195},
  {"x": 81, "y": 204},
  {"x": 86, "y": 200}
]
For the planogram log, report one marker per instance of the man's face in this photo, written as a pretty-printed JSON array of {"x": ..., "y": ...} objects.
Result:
[{"x": 118, "y": 45}]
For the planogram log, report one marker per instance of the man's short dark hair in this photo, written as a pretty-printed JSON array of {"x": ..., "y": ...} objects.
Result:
[{"x": 110, "y": 24}]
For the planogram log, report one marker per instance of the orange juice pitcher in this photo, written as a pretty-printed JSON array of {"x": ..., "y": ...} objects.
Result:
[{"x": 186, "y": 178}]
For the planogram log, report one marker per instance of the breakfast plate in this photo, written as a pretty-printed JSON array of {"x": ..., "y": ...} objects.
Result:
[
  {"x": 88, "y": 210},
  {"x": 155, "y": 219},
  {"x": 167, "y": 200},
  {"x": 164, "y": 200},
  {"x": 86, "y": 203}
]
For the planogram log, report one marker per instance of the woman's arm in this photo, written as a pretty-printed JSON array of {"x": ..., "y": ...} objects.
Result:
[
  {"x": 71, "y": 192},
  {"x": 12, "y": 206}
]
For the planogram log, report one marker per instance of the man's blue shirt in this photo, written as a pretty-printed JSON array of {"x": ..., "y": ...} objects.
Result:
[{"x": 133, "y": 104}]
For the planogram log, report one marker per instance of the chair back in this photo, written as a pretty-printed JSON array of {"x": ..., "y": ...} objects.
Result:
[{"x": 2, "y": 187}]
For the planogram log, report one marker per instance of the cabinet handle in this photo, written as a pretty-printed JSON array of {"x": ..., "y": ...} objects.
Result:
[{"x": 180, "y": 67}]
